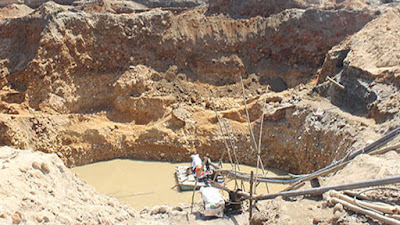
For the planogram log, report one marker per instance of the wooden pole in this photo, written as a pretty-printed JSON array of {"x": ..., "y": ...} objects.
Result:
[
  {"x": 236, "y": 163},
  {"x": 233, "y": 145},
  {"x": 222, "y": 133},
  {"x": 321, "y": 190},
  {"x": 259, "y": 161},
  {"x": 248, "y": 117},
  {"x": 382, "y": 207},
  {"x": 357, "y": 195},
  {"x": 397, "y": 217},
  {"x": 368, "y": 213},
  {"x": 251, "y": 197},
  {"x": 335, "y": 83},
  {"x": 195, "y": 183}
]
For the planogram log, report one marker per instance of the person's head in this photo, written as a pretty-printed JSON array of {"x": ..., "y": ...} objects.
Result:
[{"x": 191, "y": 151}]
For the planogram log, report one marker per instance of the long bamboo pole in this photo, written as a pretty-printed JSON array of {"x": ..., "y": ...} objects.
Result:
[
  {"x": 233, "y": 146},
  {"x": 247, "y": 116},
  {"x": 236, "y": 163},
  {"x": 222, "y": 133},
  {"x": 259, "y": 161}
]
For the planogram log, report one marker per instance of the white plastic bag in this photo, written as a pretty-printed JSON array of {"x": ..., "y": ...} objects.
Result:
[{"x": 214, "y": 203}]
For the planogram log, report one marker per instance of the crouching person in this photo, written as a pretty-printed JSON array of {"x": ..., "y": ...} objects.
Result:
[{"x": 196, "y": 167}]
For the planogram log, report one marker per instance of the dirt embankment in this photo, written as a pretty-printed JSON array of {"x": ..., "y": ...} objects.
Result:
[
  {"x": 252, "y": 8},
  {"x": 367, "y": 64},
  {"x": 95, "y": 86}
]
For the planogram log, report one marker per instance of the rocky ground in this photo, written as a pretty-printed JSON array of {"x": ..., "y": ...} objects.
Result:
[{"x": 99, "y": 80}]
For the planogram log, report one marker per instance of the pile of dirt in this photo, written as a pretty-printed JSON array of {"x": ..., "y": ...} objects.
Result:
[
  {"x": 14, "y": 11},
  {"x": 37, "y": 187}
]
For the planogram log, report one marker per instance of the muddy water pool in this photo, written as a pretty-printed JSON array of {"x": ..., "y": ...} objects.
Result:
[{"x": 148, "y": 183}]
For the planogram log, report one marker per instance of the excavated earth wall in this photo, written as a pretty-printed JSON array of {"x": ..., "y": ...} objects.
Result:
[{"x": 98, "y": 86}]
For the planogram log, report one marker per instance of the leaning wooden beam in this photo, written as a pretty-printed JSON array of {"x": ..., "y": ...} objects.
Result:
[
  {"x": 335, "y": 83},
  {"x": 382, "y": 207},
  {"x": 368, "y": 213},
  {"x": 321, "y": 190}
]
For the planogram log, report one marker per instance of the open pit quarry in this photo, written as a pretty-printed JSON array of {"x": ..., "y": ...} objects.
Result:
[{"x": 90, "y": 81}]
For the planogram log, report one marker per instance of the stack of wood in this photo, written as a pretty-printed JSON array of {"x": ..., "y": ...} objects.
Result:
[{"x": 385, "y": 213}]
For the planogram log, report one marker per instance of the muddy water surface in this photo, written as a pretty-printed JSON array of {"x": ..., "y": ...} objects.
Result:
[{"x": 147, "y": 183}]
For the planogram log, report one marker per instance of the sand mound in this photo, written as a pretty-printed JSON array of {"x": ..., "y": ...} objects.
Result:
[
  {"x": 15, "y": 11},
  {"x": 38, "y": 187}
]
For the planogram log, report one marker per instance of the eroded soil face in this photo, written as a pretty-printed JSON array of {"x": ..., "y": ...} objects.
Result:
[{"x": 102, "y": 81}]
